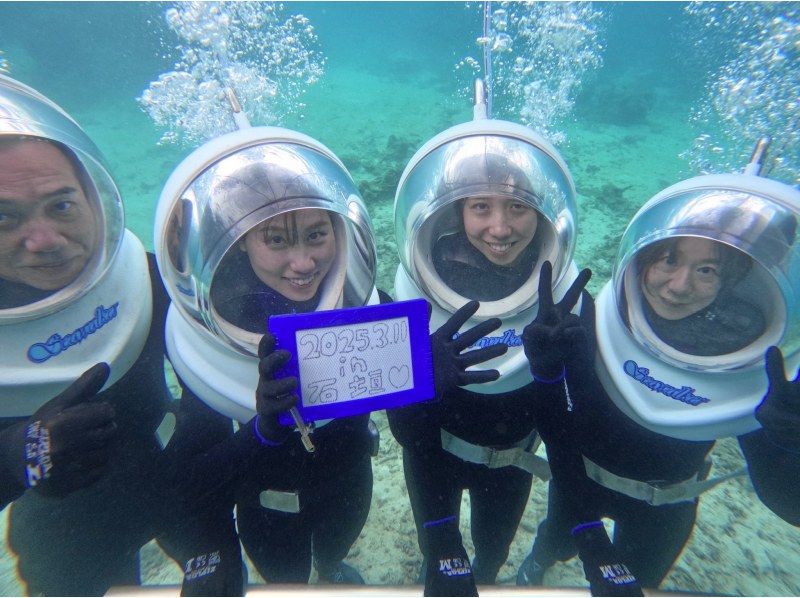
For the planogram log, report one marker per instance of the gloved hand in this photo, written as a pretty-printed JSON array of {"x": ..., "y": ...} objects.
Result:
[
  {"x": 556, "y": 333},
  {"x": 273, "y": 397},
  {"x": 606, "y": 573},
  {"x": 779, "y": 410},
  {"x": 65, "y": 445},
  {"x": 450, "y": 364},
  {"x": 449, "y": 572}
]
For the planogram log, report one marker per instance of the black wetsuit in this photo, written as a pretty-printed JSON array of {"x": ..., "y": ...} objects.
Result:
[
  {"x": 89, "y": 540},
  {"x": 216, "y": 468},
  {"x": 649, "y": 538},
  {"x": 468, "y": 272},
  {"x": 436, "y": 478},
  {"x": 725, "y": 326}
]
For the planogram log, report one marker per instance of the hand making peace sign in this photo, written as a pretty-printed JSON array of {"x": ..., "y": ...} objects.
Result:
[{"x": 556, "y": 332}]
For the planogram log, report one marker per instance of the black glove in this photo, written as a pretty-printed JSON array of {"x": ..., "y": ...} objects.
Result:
[
  {"x": 273, "y": 397},
  {"x": 779, "y": 411},
  {"x": 450, "y": 364},
  {"x": 556, "y": 333},
  {"x": 449, "y": 572},
  {"x": 606, "y": 573},
  {"x": 65, "y": 445}
]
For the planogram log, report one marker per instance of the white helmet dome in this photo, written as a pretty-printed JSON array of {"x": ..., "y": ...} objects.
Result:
[
  {"x": 754, "y": 220},
  {"x": 483, "y": 158},
  {"x": 232, "y": 184},
  {"x": 96, "y": 227}
]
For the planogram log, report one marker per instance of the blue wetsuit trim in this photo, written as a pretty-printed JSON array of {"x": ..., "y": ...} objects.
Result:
[
  {"x": 584, "y": 526},
  {"x": 438, "y": 521},
  {"x": 554, "y": 380},
  {"x": 262, "y": 439}
]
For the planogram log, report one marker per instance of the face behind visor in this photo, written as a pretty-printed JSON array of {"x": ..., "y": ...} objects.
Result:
[
  {"x": 512, "y": 171},
  {"x": 706, "y": 279},
  {"x": 61, "y": 218},
  {"x": 235, "y": 209}
]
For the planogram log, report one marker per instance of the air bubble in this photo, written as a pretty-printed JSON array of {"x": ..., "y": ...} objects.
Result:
[{"x": 269, "y": 60}]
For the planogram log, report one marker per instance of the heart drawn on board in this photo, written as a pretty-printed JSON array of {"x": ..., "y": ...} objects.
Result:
[{"x": 398, "y": 376}]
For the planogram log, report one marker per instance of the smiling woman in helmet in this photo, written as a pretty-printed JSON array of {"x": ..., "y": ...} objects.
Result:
[
  {"x": 688, "y": 286},
  {"x": 281, "y": 263},
  {"x": 701, "y": 300},
  {"x": 493, "y": 254}
]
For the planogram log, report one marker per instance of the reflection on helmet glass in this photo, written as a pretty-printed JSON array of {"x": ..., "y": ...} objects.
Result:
[
  {"x": 48, "y": 225},
  {"x": 699, "y": 296},
  {"x": 492, "y": 253},
  {"x": 278, "y": 266},
  {"x": 177, "y": 234},
  {"x": 273, "y": 225}
]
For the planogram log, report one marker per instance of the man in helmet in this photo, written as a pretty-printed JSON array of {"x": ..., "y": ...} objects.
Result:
[{"x": 82, "y": 314}]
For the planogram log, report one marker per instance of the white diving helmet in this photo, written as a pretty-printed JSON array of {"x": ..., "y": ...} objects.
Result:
[
  {"x": 691, "y": 366},
  {"x": 225, "y": 189},
  {"x": 74, "y": 284},
  {"x": 484, "y": 158}
]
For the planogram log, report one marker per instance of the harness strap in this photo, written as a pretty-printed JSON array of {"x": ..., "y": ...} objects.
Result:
[
  {"x": 521, "y": 455},
  {"x": 657, "y": 495}
]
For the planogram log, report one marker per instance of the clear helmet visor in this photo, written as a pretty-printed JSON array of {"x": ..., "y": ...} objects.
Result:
[
  {"x": 61, "y": 216},
  {"x": 269, "y": 228},
  {"x": 706, "y": 277},
  {"x": 478, "y": 213}
]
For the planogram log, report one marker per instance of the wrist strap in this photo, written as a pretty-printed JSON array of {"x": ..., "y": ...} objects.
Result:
[
  {"x": 560, "y": 377},
  {"x": 584, "y": 526},
  {"x": 261, "y": 438}
]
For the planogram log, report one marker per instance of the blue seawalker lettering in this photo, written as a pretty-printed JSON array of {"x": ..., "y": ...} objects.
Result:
[
  {"x": 508, "y": 338},
  {"x": 684, "y": 394},
  {"x": 56, "y": 344}
]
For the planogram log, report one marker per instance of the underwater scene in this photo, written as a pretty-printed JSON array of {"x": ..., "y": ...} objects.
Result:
[{"x": 623, "y": 99}]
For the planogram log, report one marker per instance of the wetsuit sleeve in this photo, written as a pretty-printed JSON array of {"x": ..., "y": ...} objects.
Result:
[
  {"x": 205, "y": 457},
  {"x": 774, "y": 472},
  {"x": 11, "y": 444},
  {"x": 558, "y": 411}
]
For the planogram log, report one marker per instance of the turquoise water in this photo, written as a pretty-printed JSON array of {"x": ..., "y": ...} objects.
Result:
[{"x": 390, "y": 83}]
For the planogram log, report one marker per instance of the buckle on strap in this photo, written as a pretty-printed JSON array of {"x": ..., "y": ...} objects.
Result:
[
  {"x": 683, "y": 491},
  {"x": 277, "y": 500},
  {"x": 520, "y": 455}
]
